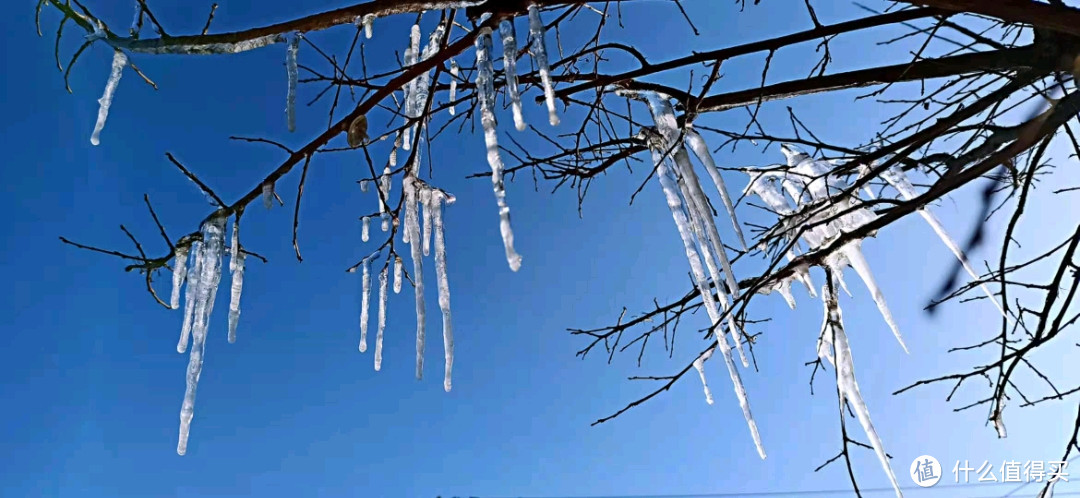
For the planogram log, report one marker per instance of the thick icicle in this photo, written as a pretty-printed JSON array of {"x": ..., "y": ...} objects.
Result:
[
  {"x": 697, "y": 145},
  {"x": 365, "y": 228},
  {"x": 845, "y": 377},
  {"x": 382, "y": 319},
  {"x": 191, "y": 295},
  {"x": 367, "y": 21},
  {"x": 290, "y": 67},
  {"x": 896, "y": 177},
  {"x": 178, "y": 276},
  {"x": 119, "y": 61},
  {"x": 539, "y": 53},
  {"x": 210, "y": 253},
  {"x": 412, "y": 226},
  {"x": 485, "y": 74},
  {"x": 426, "y": 205},
  {"x": 437, "y": 198},
  {"x": 397, "y": 274},
  {"x": 509, "y": 44},
  {"x": 364, "y": 293},
  {"x": 763, "y": 185},
  {"x": 675, "y": 204},
  {"x": 454, "y": 71},
  {"x": 236, "y": 268},
  {"x": 699, "y": 365}
]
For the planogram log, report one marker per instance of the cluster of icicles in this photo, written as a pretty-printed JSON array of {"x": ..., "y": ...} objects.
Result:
[{"x": 815, "y": 195}]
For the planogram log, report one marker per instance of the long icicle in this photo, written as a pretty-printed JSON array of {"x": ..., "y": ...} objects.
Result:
[
  {"x": 539, "y": 53},
  {"x": 105, "y": 102},
  {"x": 236, "y": 269},
  {"x": 437, "y": 197},
  {"x": 509, "y": 44},
  {"x": 486, "y": 90},
  {"x": 412, "y": 227},
  {"x": 291, "y": 69},
  {"x": 180, "y": 261},
  {"x": 382, "y": 318},
  {"x": 701, "y": 150},
  {"x": 364, "y": 298}
]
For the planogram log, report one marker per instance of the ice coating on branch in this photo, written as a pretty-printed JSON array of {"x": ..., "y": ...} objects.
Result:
[
  {"x": 435, "y": 207},
  {"x": 367, "y": 22},
  {"x": 999, "y": 423},
  {"x": 365, "y": 228},
  {"x": 509, "y": 44},
  {"x": 454, "y": 71},
  {"x": 191, "y": 295},
  {"x": 699, "y": 365},
  {"x": 833, "y": 337},
  {"x": 364, "y": 293},
  {"x": 209, "y": 267},
  {"x": 384, "y": 197},
  {"x": 485, "y": 74},
  {"x": 397, "y": 274},
  {"x": 268, "y": 194},
  {"x": 382, "y": 319},
  {"x": 412, "y": 227},
  {"x": 236, "y": 269},
  {"x": 539, "y": 53},
  {"x": 290, "y": 68},
  {"x": 178, "y": 276},
  {"x": 105, "y": 102},
  {"x": 896, "y": 177},
  {"x": 169, "y": 47},
  {"x": 763, "y": 184},
  {"x": 425, "y": 210},
  {"x": 701, "y": 150},
  {"x": 675, "y": 204}
]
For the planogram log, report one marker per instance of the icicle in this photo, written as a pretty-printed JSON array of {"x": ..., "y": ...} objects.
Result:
[
  {"x": 364, "y": 303},
  {"x": 675, "y": 204},
  {"x": 384, "y": 196},
  {"x": 137, "y": 21},
  {"x": 367, "y": 21},
  {"x": 999, "y": 423},
  {"x": 845, "y": 378},
  {"x": 697, "y": 145},
  {"x": 382, "y": 319},
  {"x": 896, "y": 177},
  {"x": 426, "y": 199},
  {"x": 178, "y": 276},
  {"x": 268, "y": 195},
  {"x": 191, "y": 295},
  {"x": 119, "y": 61},
  {"x": 699, "y": 365},
  {"x": 485, "y": 87},
  {"x": 290, "y": 67},
  {"x": 539, "y": 53},
  {"x": 509, "y": 43},
  {"x": 210, "y": 252},
  {"x": 412, "y": 226},
  {"x": 397, "y": 274},
  {"x": 385, "y": 218},
  {"x": 364, "y": 185},
  {"x": 365, "y": 228},
  {"x": 236, "y": 268},
  {"x": 437, "y": 198},
  {"x": 853, "y": 254},
  {"x": 454, "y": 71}
]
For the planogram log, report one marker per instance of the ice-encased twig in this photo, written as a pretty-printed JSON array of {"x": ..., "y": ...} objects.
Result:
[
  {"x": 435, "y": 207},
  {"x": 425, "y": 218},
  {"x": 382, "y": 319},
  {"x": 539, "y": 53},
  {"x": 509, "y": 45},
  {"x": 165, "y": 46},
  {"x": 291, "y": 69},
  {"x": 105, "y": 102},
  {"x": 364, "y": 293},
  {"x": 365, "y": 228},
  {"x": 236, "y": 269},
  {"x": 412, "y": 226},
  {"x": 210, "y": 253},
  {"x": 179, "y": 275},
  {"x": 701, "y": 150},
  {"x": 367, "y": 22},
  {"x": 485, "y": 74},
  {"x": 896, "y": 177},
  {"x": 845, "y": 376},
  {"x": 397, "y": 274}
]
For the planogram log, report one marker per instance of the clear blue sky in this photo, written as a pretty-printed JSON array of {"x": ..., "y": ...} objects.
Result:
[{"x": 92, "y": 385}]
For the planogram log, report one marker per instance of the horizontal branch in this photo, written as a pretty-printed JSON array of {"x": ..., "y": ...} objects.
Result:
[{"x": 1054, "y": 17}]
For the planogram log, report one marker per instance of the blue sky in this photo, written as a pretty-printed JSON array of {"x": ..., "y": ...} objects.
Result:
[{"x": 93, "y": 384}]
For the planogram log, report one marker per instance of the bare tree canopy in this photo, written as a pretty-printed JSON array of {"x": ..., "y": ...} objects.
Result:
[{"x": 982, "y": 100}]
